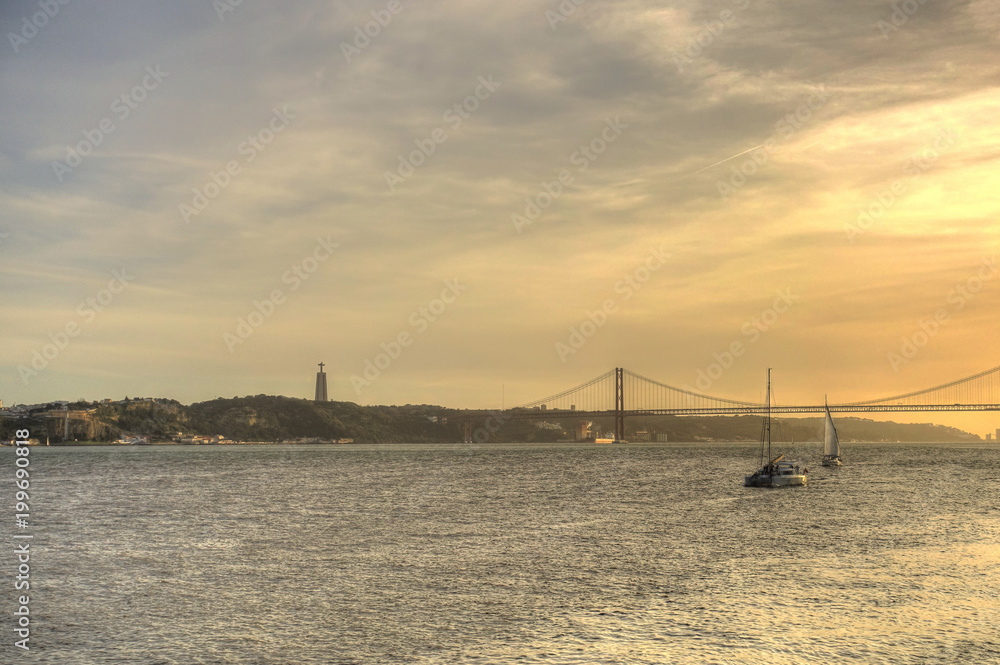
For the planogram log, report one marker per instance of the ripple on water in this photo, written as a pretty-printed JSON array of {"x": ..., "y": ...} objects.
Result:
[{"x": 530, "y": 554}]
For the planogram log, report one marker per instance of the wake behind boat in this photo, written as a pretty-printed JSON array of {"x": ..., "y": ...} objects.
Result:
[
  {"x": 831, "y": 443},
  {"x": 778, "y": 472}
]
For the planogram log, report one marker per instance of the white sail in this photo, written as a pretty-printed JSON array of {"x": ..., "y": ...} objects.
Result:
[{"x": 831, "y": 444}]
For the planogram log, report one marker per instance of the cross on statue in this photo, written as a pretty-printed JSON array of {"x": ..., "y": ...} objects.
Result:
[{"x": 321, "y": 367}]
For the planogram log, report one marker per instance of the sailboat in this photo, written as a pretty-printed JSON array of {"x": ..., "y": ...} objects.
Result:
[
  {"x": 831, "y": 444},
  {"x": 778, "y": 472}
]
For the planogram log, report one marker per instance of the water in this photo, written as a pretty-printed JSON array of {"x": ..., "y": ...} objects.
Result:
[{"x": 507, "y": 554}]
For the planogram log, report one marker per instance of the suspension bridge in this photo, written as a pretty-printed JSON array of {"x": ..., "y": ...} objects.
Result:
[{"x": 620, "y": 393}]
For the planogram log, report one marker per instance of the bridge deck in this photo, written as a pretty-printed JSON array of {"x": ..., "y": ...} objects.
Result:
[{"x": 742, "y": 411}]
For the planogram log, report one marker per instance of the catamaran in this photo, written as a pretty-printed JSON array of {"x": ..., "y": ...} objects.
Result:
[
  {"x": 831, "y": 444},
  {"x": 778, "y": 472}
]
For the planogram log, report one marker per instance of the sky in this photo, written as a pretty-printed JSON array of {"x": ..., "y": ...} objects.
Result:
[{"x": 478, "y": 204}]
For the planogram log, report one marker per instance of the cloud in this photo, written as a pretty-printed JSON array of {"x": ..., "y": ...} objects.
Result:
[{"x": 657, "y": 184}]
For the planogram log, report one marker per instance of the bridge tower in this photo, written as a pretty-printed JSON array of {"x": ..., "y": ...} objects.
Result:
[{"x": 619, "y": 404}]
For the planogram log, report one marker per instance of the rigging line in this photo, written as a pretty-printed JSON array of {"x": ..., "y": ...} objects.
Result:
[
  {"x": 564, "y": 393},
  {"x": 957, "y": 383},
  {"x": 700, "y": 396}
]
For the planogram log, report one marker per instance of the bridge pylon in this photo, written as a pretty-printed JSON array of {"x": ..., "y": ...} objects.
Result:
[{"x": 619, "y": 404}]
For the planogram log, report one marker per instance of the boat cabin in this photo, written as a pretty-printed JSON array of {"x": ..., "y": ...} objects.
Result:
[{"x": 785, "y": 469}]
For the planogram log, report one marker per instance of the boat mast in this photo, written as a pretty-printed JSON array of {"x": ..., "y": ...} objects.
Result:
[{"x": 768, "y": 418}]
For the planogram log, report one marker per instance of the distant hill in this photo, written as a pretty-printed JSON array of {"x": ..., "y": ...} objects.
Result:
[
  {"x": 272, "y": 418},
  {"x": 253, "y": 418},
  {"x": 747, "y": 428}
]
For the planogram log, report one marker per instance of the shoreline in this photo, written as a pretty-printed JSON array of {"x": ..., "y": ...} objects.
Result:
[{"x": 658, "y": 444}]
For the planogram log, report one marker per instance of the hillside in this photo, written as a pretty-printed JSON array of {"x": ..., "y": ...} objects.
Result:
[
  {"x": 269, "y": 418},
  {"x": 253, "y": 418},
  {"x": 747, "y": 428}
]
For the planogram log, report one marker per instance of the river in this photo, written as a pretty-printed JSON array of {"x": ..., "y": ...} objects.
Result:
[{"x": 548, "y": 554}]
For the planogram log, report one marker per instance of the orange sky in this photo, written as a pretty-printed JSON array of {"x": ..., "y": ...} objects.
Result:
[{"x": 478, "y": 180}]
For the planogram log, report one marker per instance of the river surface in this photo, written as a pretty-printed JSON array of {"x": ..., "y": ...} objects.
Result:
[{"x": 550, "y": 554}]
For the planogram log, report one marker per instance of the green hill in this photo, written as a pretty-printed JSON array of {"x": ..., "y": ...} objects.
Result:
[{"x": 269, "y": 418}]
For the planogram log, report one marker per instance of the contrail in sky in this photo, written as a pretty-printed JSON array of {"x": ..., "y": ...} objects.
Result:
[{"x": 728, "y": 158}]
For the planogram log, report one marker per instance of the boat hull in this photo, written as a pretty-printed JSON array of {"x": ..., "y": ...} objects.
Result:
[
  {"x": 774, "y": 481},
  {"x": 788, "y": 481},
  {"x": 831, "y": 460}
]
